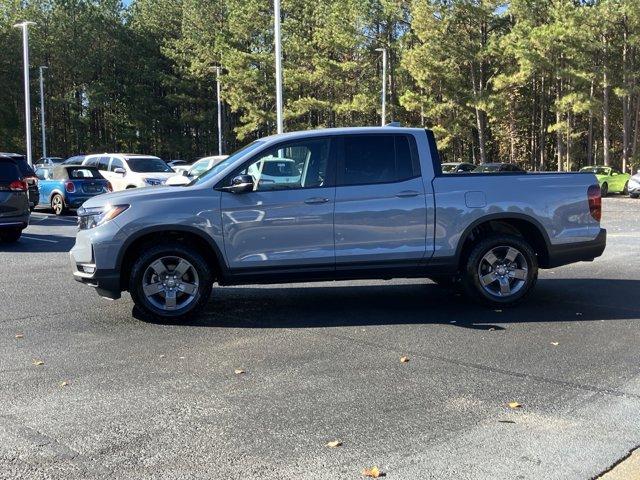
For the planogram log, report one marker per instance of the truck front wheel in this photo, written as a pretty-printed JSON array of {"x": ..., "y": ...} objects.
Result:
[
  {"x": 500, "y": 270},
  {"x": 170, "y": 281}
]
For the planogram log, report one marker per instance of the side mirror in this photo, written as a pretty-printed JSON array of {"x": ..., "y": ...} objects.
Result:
[
  {"x": 119, "y": 171},
  {"x": 241, "y": 184}
]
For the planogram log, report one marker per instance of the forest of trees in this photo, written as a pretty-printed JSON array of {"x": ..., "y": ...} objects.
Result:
[{"x": 548, "y": 84}]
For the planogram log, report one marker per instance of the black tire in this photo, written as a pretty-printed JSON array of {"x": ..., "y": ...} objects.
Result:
[
  {"x": 10, "y": 235},
  {"x": 604, "y": 190},
  {"x": 526, "y": 264},
  {"x": 57, "y": 204},
  {"x": 634, "y": 195},
  {"x": 625, "y": 190},
  {"x": 140, "y": 270}
]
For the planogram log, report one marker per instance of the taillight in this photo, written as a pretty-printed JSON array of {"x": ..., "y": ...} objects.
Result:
[
  {"x": 595, "y": 201},
  {"x": 18, "y": 186},
  {"x": 109, "y": 187},
  {"x": 69, "y": 186}
]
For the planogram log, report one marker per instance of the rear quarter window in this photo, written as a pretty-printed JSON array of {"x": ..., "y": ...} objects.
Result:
[{"x": 8, "y": 171}]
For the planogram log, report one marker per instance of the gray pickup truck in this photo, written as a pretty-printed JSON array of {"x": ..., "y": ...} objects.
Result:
[{"x": 335, "y": 204}]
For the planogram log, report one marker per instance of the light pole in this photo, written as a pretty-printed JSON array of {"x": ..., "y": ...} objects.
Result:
[
  {"x": 219, "y": 111},
  {"x": 384, "y": 84},
  {"x": 277, "y": 39},
  {"x": 44, "y": 131},
  {"x": 27, "y": 103}
]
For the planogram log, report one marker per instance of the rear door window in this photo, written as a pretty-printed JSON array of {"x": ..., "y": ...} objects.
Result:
[
  {"x": 371, "y": 159},
  {"x": 103, "y": 163},
  {"x": 115, "y": 163},
  {"x": 8, "y": 172}
]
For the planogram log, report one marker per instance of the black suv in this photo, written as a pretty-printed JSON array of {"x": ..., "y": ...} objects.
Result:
[
  {"x": 28, "y": 175},
  {"x": 14, "y": 200}
]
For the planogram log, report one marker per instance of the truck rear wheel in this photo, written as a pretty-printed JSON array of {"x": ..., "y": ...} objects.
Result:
[
  {"x": 500, "y": 270},
  {"x": 170, "y": 281}
]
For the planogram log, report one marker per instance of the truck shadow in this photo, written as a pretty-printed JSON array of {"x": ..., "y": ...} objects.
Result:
[{"x": 341, "y": 304}]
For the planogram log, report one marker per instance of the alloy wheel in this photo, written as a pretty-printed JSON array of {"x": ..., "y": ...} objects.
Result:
[
  {"x": 57, "y": 204},
  {"x": 503, "y": 271},
  {"x": 170, "y": 283}
]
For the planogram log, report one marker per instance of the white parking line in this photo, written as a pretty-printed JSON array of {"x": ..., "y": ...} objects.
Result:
[{"x": 39, "y": 239}]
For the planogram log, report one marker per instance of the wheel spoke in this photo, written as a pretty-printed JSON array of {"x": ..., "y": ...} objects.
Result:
[
  {"x": 488, "y": 279},
  {"x": 511, "y": 255},
  {"x": 170, "y": 299},
  {"x": 491, "y": 258},
  {"x": 505, "y": 287},
  {"x": 158, "y": 267},
  {"x": 181, "y": 268},
  {"x": 152, "y": 288},
  {"x": 518, "y": 273},
  {"x": 188, "y": 288}
]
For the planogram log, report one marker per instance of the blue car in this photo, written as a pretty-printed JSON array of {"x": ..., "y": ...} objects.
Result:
[{"x": 67, "y": 187}]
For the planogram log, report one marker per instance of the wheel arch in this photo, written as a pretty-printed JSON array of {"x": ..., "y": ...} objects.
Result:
[
  {"x": 517, "y": 224},
  {"x": 190, "y": 236}
]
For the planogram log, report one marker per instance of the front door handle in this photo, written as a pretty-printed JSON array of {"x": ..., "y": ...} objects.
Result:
[
  {"x": 316, "y": 200},
  {"x": 407, "y": 194}
]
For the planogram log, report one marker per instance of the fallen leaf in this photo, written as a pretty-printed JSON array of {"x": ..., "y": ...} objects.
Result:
[
  {"x": 238, "y": 371},
  {"x": 492, "y": 329},
  {"x": 64, "y": 384},
  {"x": 19, "y": 335},
  {"x": 373, "y": 472},
  {"x": 514, "y": 405},
  {"x": 555, "y": 343},
  {"x": 181, "y": 358},
  {"x": 38, "y": 363},
  {"x": 161, "y": 356},
  {"x": 404, "y": 359},
  {"x": 334, "y": 444}
]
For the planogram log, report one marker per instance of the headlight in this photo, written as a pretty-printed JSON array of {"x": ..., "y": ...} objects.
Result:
[
  {"x": 152, "y": 181},
  {"x": 95, "y": 216}
]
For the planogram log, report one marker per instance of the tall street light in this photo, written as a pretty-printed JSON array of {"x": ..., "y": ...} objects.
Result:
[
  {"x": 219, "y": 111},
  {"x": 384, "y": 84},
  {"x": 44, "y": 130},
  {"x": 276, "y": 14},
  {"x": 27, "y": 104}
]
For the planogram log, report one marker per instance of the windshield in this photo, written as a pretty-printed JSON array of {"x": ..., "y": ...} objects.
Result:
[
  {"x": 449, "y": 167},
  {"x": 596, "y": 170},
  {"x": 487, "y": 168},
  {"x": 199, "y": 167},
  {"x": 148, "y": 165},
  {"x": 226, "y": 162}
]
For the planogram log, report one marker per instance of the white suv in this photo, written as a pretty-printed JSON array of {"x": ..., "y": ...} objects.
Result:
[{"x": 130, "y": 171}]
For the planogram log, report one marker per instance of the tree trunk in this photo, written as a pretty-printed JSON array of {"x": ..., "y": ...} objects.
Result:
[
  {"x": 606, "y": 90},
  {"x": 542, "y": 139},
  {"x": 625, "y": 101},
  {"x": 480, "y": 119},
  {"x": 559, "y": 140}
]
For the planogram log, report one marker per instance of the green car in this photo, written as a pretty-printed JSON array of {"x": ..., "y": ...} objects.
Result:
[{"x": 610, "y": 179}]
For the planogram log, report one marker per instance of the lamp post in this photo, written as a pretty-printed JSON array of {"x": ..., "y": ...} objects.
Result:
[
  {"x": 277, "y": 39},
  {"x": 44, "y": 131},
  {"x": 219, "y": 111},
  {"x": 27, "y": 103},
  {"x": 384, "y": 84}
]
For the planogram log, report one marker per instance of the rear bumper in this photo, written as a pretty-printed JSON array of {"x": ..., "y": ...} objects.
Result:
[
  {"x": 20, "y": 221},
  {"x": 106, "y": 282},
  {"x": 577, "y": 252}
]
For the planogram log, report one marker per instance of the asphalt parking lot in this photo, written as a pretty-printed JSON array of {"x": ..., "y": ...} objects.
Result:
[{"x": 119, "y": 397}]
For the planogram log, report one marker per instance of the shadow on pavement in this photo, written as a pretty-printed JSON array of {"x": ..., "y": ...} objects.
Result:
[
  {"x": 38, "y": 243},
  {"x": 336, "y": 305}
]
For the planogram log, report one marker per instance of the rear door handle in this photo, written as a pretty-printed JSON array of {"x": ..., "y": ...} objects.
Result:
[
  {"x": 407, "y": 193},
  {"x": 316, "y": 200}
]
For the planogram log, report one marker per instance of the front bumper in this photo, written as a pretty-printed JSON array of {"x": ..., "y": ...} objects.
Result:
[
  {"x": 577, "y": 252},
  {"x": 106, "y": 282}
]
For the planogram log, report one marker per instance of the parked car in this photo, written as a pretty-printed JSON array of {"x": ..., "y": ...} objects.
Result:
[
  {"x": 14, "y": 200},
  {"x": 457, "y": 167},
  {"x": 177, "y": 164},
  {"x": 369, "y": 203},
  {"x": 28, "y": 175},
  {"x": 126, "y": 171},
  {"x": 497, "y": 168},
  {"x": 198, "y": 168},
  {"x": 610, "y": 179},
  {"x": 48, "y": 162},
  {"x": 634, "y": 186},
  {"x": 75, "y": 160},
  {"x": 68, "y": 186}
]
